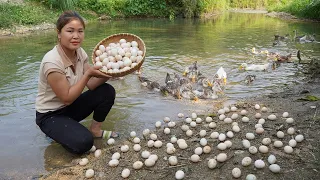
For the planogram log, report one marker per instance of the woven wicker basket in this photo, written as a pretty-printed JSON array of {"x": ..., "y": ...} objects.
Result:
[{"x": 115, "y": 39}]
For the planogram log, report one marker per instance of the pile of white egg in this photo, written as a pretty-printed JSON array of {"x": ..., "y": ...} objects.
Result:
[
  {"x": 209, "y": 141},
  {"x": 118, "y": 56}
]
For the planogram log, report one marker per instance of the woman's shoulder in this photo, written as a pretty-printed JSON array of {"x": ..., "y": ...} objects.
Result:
[
  {"x": 82, "y": 53},
  {"x": 52, "y": 55}
]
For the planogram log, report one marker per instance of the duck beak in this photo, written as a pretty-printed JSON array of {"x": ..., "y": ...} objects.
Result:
[
  {"x": 195, "y": 98},
  {"x": 210, "y": 84},
  {"x": 224, "y": 81},
  {"x": 184, "y": 73},
  {"x": 193, "y": 79},
  {"x": 240, "y": 67}
]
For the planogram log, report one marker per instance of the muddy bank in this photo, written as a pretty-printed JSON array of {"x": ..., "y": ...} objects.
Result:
[{"x": 302, "y": 163}]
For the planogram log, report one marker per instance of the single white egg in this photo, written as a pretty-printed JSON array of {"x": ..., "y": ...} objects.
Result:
[
  {"x": 203, "y": 141},
  {"x": 212, "y": 125},
  {"x": 136, "y": 147},
  {"x": 185, "y": 127},
  {"x": 222, "y": 117},
  {"x": 188, "y": 120},
  {"x": 173, "y": 160},
  {"x": 299, "y": 138},
  {"x": 149, "y": 162},
  {"x": 227, "y": 120},
  {"x": 150, "y": 143},
  {"x": 125, "y": 173},
  {"x": 198, "y": 120},
  {"x": 166, "y": 119},
  {"x": 251, "y": 177},
  {"x": 209, "y": 119},
  {"x": 214, "y": 135},
  {"x": 89, "y": 173},
  {"x": 195, "y": 158},
  {"x": 193, "y": 124},
  {"x": 266, "y": 141},
  {"x": 183, "y": 145},
  {"x": 153, "y": 137},
  {"x": 113, "y": 162},
  {"x": 145, "y": 154},
  {"x": 221, "y": 157},
  {"x": 228, "y": 143},
  {"x": 235, "y": 128},
  {"x": 291, "y": 131},
  {"x": 133, "y": 134},
  {"x": 194, "y": 115},
  {"x": 124, "y": 148},
  {"x": 83, "y": 161},
  {"x": 230, "y": 134},
  {"x": 97, "y": 153},
  {"x": 173, "y": 139},
  {"x": 243, "y": 112},
  {"x": 263, "y": 149},
  {"x": 257, "y": 106},
  {"x": 180, "y": 115},
  {"x": 198, "y": 151},
  {"x": 259, "y": 164},
  {"x": 261, "y": 121},
  {"x": 278, "y": 144},
  {"x": 189, "y": 133},
  {"x": 289, "y": 120},
  {"x": 137, "y": 165},
  {"x": 206, "y": 149},
  {"x": 157, "y": 144},
  {"x": 236, "y": 172},
  {"x": 234, "y": 116},
  {"x": 158, "y": 124},
  {"x": 245, "y": 119},
  {"x": 246, "y": 143},
  {"x": 272, "y": 159},
  {"x": 233, "y": 108},
  {"x": 203, "y": 133},
  {"x": 212, "y": 163},
  {"x": 179, "y": 174},
  {"x": 222, "y": 146},
  {"x": 154, "y": 157},
  {"x": 136, "y": 140},
  {"x": 275, "y": 168},
  {"x": 221, "y": 111},
  {"x": 264, "y": 109},
  {"x": 257, "y": 115},
  {"x": 115, "y": 155},
  {"x": 259, "y": 130},
  {"x": 222, "y": 137},
  {"x": 110, "y": 141},
  {"x": 250, "y": 136},
  {"x": 288, "y": 149},
  {"x": 166, "y": 131},
  {"x": 280, "y": 134},
  {"x": 252, "y": 150},
  {"x": 285, "y": 114},
  {"x": 272, "y": 117},
  {"x": 246, "y": 161}
]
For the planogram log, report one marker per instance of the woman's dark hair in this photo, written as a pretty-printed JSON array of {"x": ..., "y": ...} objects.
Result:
[{"x": 66, "y": 17}]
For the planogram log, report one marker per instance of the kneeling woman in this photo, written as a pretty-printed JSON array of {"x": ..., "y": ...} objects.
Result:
[{"x": 61, "y": 103}]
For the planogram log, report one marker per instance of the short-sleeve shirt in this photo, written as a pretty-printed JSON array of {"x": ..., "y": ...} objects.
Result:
[{"x": 57, "y": 61}]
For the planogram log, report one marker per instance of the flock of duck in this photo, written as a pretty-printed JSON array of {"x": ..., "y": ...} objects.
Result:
[{"x": 192, "y": 84}]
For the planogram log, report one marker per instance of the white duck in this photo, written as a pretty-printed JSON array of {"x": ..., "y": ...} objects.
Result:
[
  {"x": 221, "y": 75},
  {"x": 254, "y": 67}
]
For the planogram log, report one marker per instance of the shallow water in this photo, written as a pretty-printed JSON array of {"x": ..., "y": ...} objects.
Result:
[{"x": 171, "y": 46}]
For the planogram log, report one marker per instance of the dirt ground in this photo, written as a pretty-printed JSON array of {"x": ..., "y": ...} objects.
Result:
[{"x": 303, "y": 163}]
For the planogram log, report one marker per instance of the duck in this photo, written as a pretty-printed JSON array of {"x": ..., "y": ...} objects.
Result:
[
  {"x": 254, "y": 51},
  {"x": 192, "y": 72},
  {"x": 254, "y": 67},
  {"x": 221, "y": 76},
  {"x": 249, "y": 78},
  {"x": 301, "y": 38},
  {"x": 283, "y": 58},
  {"x": 187, "y": 93},
  {"x": 180, "y": 80},
  {"x": 172, "y": 86},
  {"x": 152, "y": 85},
  {"x": 281, "y": 38}
]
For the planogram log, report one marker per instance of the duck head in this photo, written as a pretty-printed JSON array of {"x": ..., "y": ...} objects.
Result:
[{"x": 243, "y": 66}]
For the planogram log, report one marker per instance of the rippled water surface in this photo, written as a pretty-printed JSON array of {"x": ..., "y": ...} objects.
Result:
[{"x": 224, "y": 41}]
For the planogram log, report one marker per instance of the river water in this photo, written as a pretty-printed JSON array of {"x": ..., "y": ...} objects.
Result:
[{"x": 223, "y": 41}]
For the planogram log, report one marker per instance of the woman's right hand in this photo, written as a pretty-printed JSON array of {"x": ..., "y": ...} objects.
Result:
[{"x": 94, "y": 71}]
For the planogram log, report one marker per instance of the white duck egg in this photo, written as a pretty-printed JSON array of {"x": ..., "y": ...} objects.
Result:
[
  {"x": 222, "y": 137},
  {"x": 173, "y": 160},
  {"x": 280, "y": 134},
  {"x": 115, "y": 155},
  {"x": 140, "y": 53},
  {"x": 83, "y": 161},
  {"x": 236, "y": 172},
  {"x": 166, "y": 131},
  {"x": 145, "y": 154},
  {"x": 221, "y": 111},
  {"x": 278, "y": 144},
  {"x": 209, "y": 119},
  {"x": 181, "y": 141},
  {"x": 221, "y": 157},
  {"x": 158, "y": 124},
  {"x": 212, "y": 163},
  {"x": 212, "y": 125},
  {"x": 222, "y": 146},
  {"x": 193, "y": 124},
  {"x": 272, "y": 117},
  {"x": 206, "y": 149},
  {"x": 113, "y": 162},
  {"x": 275, "y": 168},
  {"x": 179, "y": 175},
  {"x": 263, "y": 149},
  {"x": 146, "y": 132},
  {"x": 253, "y": 150},
  {"x": 180, "y": 115},
  {"x": 251, "y": 177},
  {"x": 183, "y": 145},
  {"x": 171, "y": 150},
  {"x": 127, "y": 62},
  {"x": 184, "y": 127},
  {"x": 230, "y": 134},
  {"x": 233, "y": 108},
  {"x": 188, "y": 120},
  {"x": 259, "y": 130},
  {"x": 243, "y": 112},
  {"x": 103, "y": 56},
  {"x": 250, "y": 136},
  {"x": 134, "y": 53},
  {"x": 214, "y": 135},
  {"x": 169, "y": 145},
  {"x": 259, "y": 164},
  {"x": 198, "y": 120},
  {"x": 122, "y": 41},
  {"x": 97, "y": 59},
  {"x": 289, "y": 120},
  {"x": 136, "y": 140},
  {"x": 166, "y": 119},
  {"x": 246, "y": 143},
  {"x": 198, "y": 151},
  {"x": 149, "y": 162},
  {"x": 195, "y": 158},
  {"x": 203, "y": 141},
  {"x": 194, "y": 115},
  {"x": 258, "y": 126},
  {"x": 264, "y": 109},
  {"x": 137, "y": 165},
  {"x": 261, "y": 121},
  {"x": 173, "y": 139},
  {"x": 171, "y": 124},
  {"x": 189, "y": 133},
  {"x": 257, "y": 115},
  {"x": 288, "y": 149},
  {"x": 134, "y": 44},
  {"x": 203, "y": 133},
  {"x": 222, "y": 117},
  {"x": 139, "y": 58},
  {"x": 272, "y": 159},
  {"x": 136, "y": 147},
  {"x": 257, "y": 106},
  {"x": 235, "y": 128},
  {"x": 98, "y": 63},
  {"x": 102, "y": 48},
  {"x": 228, "y": 143},
  {"x": 93, "y": 149},
  {"x": 285, "y": 114},
  {"x": 246, "y": 161},
  {"x": 110, "y": 141},
  {"x": 291, "y": 131},
  {"x": 89, "y": 173},
  {"x": 97, "y": 153},
  {"x": 125, "y": 173},
  {"x": 226, "y": 109},
  {"x": 157, "y": 144},
  {"x": 299, "y": 138},
  {"x": 266, "y": 141},
  {"x": 150, "y": 143},
  {"x": 98, "y": 52},
  {"x": 154, "y": 157},
  {"x": 234, "y": 124},
  {"x": 133, "y": 134},
  {"x": 227, "y": 120},
  {"x": 124, "y": 148},
  {"x": 245, "y": 119},
  {"x": 234, "y": 116}
]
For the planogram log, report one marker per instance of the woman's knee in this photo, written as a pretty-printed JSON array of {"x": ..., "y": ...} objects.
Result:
[
  {"x": 109, "y": 91},
  {"x": 81, "y": 145}
]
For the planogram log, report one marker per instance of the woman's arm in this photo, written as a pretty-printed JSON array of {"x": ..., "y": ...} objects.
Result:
[
  {"x": 66, "y": 93},
  {"x": 95, "y": 81}
]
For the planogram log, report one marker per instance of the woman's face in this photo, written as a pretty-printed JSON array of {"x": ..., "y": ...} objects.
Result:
[{"x": 71, "y": 35}]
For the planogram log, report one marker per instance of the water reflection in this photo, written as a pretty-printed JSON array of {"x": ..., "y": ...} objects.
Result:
[{"x": 223, "y": 41}]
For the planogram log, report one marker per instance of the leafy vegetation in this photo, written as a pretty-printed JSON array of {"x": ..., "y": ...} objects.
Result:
[{"x": 37, "y": 11}]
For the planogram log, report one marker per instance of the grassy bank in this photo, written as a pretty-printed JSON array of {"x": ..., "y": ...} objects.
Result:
[{"x": 34, "y": 12}]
